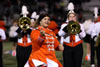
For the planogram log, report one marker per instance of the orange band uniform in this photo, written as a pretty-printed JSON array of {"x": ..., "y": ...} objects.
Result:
[{"x": 43, "y": 50}]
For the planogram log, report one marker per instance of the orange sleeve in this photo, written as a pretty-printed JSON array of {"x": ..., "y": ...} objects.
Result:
[{"x": 35, "y": 36}]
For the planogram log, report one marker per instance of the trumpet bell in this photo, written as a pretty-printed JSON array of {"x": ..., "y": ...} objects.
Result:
[
  {"x": 24, "y": 23},
  {"x": 73, "y": 27}
]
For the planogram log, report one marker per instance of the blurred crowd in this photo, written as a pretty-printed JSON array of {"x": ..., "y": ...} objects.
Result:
[{"x": 11, "y": 9}]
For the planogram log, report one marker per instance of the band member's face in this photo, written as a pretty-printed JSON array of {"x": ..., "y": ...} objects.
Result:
[
  {"x": 15, "y": 23},
  {"x": 71, "y": 17},
  {"x": 45, "y": 22},
  {"x": 33, "y": 24}
]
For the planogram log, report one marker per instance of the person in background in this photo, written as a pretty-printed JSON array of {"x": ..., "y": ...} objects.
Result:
[
  {"x": 73, "y": 48},
  {"x": 24, "y": 44},
  {"x": 90, "y": 32},
  {"x": 44, "y": 43},
  {"x": 13, "y": 38},
  {"x": 96, "y": 38},
  {"x": 87, "y": 38},
  {"x": 2, "y": 37}
]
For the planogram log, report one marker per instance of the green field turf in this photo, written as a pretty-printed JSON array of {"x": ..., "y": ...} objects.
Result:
[{"x": 10, "y": 61}]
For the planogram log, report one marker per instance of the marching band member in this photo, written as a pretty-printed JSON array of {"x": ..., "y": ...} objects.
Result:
[
  {"x": 96, "y": 38},
  {"x": 2, "y": 37},
  {"x": 90, "y": 32},
  {"x": 87, "y": 38},
  {"x": 24, "y": 46},
  {"x": 44, "y": 43},
  {"x": 13, "y": 38},
  {"x": 73, "y": 50}
]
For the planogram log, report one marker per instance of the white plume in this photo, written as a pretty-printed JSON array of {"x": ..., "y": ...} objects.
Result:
[
  {"x": 95, "y": 12},
  {"x": 37, "y": 16},
  {"x": 71, "y": 6},
  {"x": 33, "y": 15},
  {"x": 24, "y": 11}
]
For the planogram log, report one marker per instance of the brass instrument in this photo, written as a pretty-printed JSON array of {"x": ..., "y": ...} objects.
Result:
[
  {"x": 97, "y": 41},
  {"x": 24, "y": 23},
  {"x": 73, "y": 27}
]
